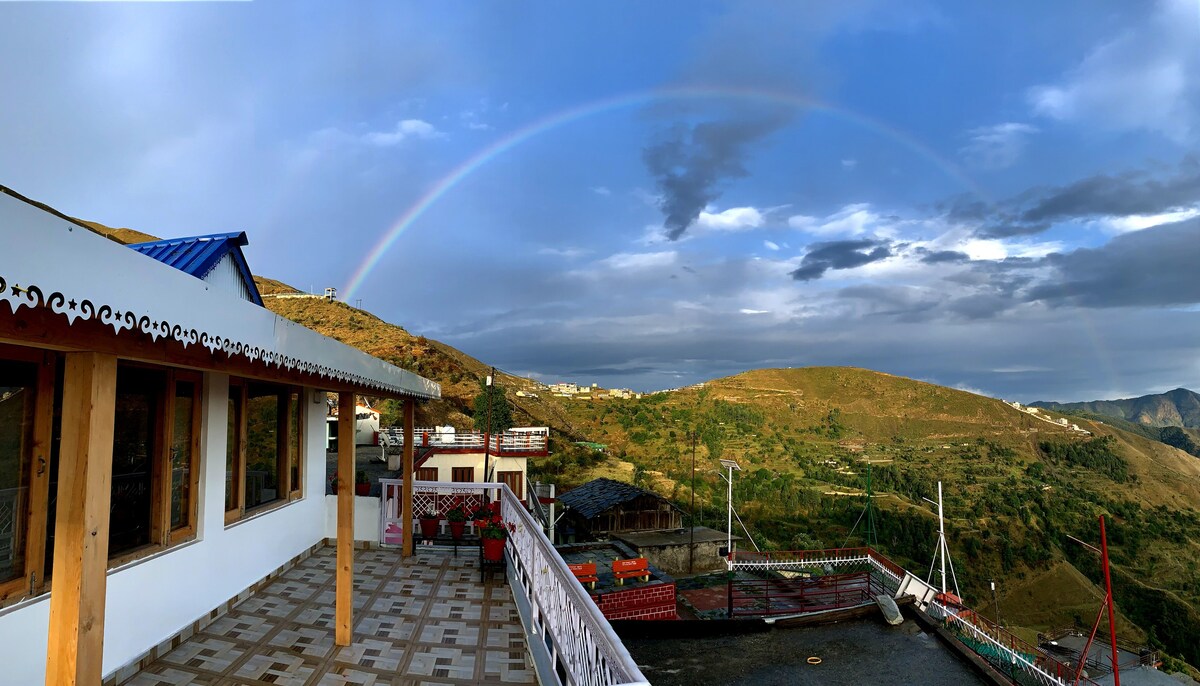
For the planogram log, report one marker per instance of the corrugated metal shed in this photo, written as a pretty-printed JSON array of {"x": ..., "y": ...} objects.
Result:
[
  {"x": 198, "y": 255},
  {"x": 599, "y": 495}
]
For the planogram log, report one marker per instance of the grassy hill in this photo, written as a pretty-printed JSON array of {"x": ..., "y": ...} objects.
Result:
[{"x": 1179, "y": 407}]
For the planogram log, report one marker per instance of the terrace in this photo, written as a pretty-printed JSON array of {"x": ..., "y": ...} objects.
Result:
[
  {"x": 423, "y": 618},
  {"x": 530, "y": 442}
]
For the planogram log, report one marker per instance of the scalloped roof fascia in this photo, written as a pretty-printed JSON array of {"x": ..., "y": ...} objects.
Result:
[{"x": 47, "y": 261}]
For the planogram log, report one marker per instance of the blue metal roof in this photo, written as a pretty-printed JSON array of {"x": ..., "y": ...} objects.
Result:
[{"x": 197, "y": 255}]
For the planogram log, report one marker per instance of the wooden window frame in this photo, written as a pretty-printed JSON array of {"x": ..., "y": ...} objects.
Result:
[
  {"x": 296, "y": 487},
  {"x": 417, "y": 475},
  {"x": 31, "y": 581},
  {"x": 188, "y": 530},
  {"x": 234, "y": 480},
  {"x": 161, "y": 535},
  {"x": 287, "y": 492},
  {"x": 455, "y": 471},
  {"x": 520, "y": 481}
]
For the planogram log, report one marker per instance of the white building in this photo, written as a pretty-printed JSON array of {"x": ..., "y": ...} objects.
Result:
[{"x": 175, "y": 465}]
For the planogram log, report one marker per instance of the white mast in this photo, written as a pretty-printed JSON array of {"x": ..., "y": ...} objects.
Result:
[{"x": 942, "y": 537}]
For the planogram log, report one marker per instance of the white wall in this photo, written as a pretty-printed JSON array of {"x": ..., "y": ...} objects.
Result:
[
  {"x": 366, "y": 518},
  {"x": 152, "y": 599},
  {"x": 446, "y": 462}
]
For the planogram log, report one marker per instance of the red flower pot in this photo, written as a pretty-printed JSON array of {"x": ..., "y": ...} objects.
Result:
[
  {"x": 493, "y": 549},
  {"x": 479, "y": 524},
  {"x": 456, "y": 529},
  {"x": 362, "y": 489},
  {"x": 429, "y": 528}
]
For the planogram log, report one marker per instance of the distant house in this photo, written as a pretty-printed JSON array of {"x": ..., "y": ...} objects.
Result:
[
  {"x": 366, "y": 423},
  {"x": 603, "y": 506},
  {"x": 446, "y": 455}
]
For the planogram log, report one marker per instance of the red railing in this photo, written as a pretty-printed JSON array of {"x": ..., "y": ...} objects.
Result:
[{"x": 793, "y": 596}]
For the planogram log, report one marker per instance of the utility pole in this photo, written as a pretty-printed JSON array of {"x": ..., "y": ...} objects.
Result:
[
  {"x": 872, "y": 536},
  {"x": 995, "y": 601},
  {"x": 487, "y": 436},
  {"x": 1112, "y": 618},
  {"x": 942, "y": 537},
  {"x": 692, "y": 531}
]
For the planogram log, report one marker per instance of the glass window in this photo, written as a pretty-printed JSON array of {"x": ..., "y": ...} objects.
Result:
[
  {"x": 135, "y": 443},
  {"x": 462, "y": 474},
  {"x": 262, "y": 444},
  {"x": 182, "y": 437},
  {"x": 294, "y": 454},
  {"x": 18, "y": 388},
  {"x": 233, "y": 448},
  {"x": 427, "y": 474}
]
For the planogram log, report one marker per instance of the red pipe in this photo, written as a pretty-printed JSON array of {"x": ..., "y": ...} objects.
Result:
[{"x": 1112, "y": 619}]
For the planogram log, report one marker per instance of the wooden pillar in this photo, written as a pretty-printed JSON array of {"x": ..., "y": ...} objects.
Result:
[
  {"x": 75, "y": 651},
  {"x": 344, "y": 610},
  {"x": 406, "y": 490}
]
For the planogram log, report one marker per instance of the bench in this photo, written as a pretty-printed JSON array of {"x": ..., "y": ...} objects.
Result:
[
  {"x": 625, "y": 569},
  {"x": 585, "y": 573}
]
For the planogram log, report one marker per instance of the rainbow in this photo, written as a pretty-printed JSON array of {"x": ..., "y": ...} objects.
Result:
[{"x": 582, "y": 111}]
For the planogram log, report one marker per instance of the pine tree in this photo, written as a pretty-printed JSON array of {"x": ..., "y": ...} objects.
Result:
[{"x": 501, "y": 419}]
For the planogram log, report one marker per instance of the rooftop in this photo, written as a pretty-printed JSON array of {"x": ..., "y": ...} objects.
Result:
[
  {"x": 425, "y": 618},
  {"x": 598, "y": 495}
]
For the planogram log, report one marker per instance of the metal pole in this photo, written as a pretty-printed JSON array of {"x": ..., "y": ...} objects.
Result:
[
  {"x": 942, "y": 537},
  {"x": 729, "y": 519},
  {"x": 1112, "y": 619},
  {"x": 487, "y": 436},
  {"x": 692, "y": 532},
  {"x": 995, "y": 601}
]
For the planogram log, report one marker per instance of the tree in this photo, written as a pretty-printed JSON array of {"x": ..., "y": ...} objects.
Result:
[{"x": 501, "y": 419}]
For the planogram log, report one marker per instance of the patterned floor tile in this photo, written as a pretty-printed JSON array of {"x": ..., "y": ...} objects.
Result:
[
  {"x": 207, "y": 653},
  {"x": 449, "y": 632},
  {"x": 276, "y": 666},
  {"x": 441, "y": 661},
  {"x": 426, "y": 620},
  {"x": 311, "y": 642},
  {"x": 373, "y": 653},
  {"x": 166, "y": 675}
]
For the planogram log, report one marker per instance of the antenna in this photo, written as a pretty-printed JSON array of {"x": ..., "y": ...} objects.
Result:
[{"x": 943, "y": 550}]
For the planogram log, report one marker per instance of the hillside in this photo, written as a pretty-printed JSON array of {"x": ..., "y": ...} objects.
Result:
[
  {"x": 1179, "y": 407},
  {"x": 1016, "y": 487}
]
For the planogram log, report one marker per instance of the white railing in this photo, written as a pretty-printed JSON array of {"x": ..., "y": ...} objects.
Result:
[
  {"x": 514, "y": 441},
  {"x": 583, "y": 649},
  {"x": 581, "y": 643},
  {"x": 428, "y": 496}
]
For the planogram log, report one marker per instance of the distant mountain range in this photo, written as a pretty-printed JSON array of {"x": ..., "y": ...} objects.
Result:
[{"x": 1179, "y": 407}]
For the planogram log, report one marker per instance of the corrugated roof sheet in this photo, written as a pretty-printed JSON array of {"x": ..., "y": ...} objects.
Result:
[
  {"x": 197, "y": 255},
  {"x": 598, "y": 495}
]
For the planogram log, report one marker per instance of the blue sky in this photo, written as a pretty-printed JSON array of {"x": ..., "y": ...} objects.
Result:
[{"x": 1001, "y": 198}]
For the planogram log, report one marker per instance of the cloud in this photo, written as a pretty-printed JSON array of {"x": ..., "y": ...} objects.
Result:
[
  {"x": 1152, "y": 267},
  {"x": 851, "y": 220},
  {"x": 771, "y": 245},
  {"x": 601, "y": 190},
  {"x": 732, "y": 219},
  {"x": 997, "y": 146},
  {"x": 567, "y": 253},
  {"x": 640, "y": 261},
  {"x": 822, "y": 257},
  {"x": 689, "y": 162},
  {"x": 746, "y": 310},
  {"x": 405, "y": 129},
  {"x": 1147, "y": 77},
  {"x": 943, "y": 256},
  {"x": 849, "y": 164},
  {"x": 1129, "y": 193},
  {"x": 1137, "y": 222}
]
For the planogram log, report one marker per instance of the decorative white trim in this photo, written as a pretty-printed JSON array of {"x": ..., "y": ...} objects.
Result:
[{"x": 48, "y": 262}]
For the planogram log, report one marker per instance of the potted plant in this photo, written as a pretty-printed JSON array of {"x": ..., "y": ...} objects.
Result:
[
  {"x": 458, "y": 519},
  {"x": 493, "y": 536},
  {"x": 362, "y": 485},
  {"x": 480, "y": 517},
  {"x": 429, "y": 524}
]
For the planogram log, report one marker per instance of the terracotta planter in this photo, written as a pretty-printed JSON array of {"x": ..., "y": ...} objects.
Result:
[
  {"x": 429, "y": 528},
  {"x": 493, "y": 549},
  {"x": 362, "y": 489},
  {"x": 456, "y": 529}
]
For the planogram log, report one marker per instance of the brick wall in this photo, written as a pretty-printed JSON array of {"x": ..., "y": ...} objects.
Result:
[{"x": 650, "y": 601}]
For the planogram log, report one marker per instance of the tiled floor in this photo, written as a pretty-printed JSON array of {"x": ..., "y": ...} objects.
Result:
[{"x": 427, "y": 620}]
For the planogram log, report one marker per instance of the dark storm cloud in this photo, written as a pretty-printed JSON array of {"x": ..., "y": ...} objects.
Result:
[
  {"x": 941, "y": 256},
  {"x": 822, "y": 257},
  {"x": 1134, "y": 192},
  {"x": 1152, "y": 267},
  {"x": 690, "y": 161}
]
